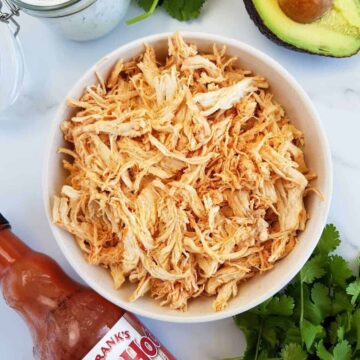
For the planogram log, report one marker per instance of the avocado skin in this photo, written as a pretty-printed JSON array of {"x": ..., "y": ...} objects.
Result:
[{"x": 255, "y": 17}]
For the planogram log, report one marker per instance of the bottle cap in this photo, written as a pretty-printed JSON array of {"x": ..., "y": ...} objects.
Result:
[{"x": 4, "y": 224}]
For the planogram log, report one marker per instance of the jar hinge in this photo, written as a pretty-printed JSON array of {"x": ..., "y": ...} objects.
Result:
[{"x": 7, "y": 17}]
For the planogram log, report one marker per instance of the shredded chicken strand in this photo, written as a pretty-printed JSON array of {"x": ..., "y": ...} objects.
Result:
[{"x": 185, "y": 176}]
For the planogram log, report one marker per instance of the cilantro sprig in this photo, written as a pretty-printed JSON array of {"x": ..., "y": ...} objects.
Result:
[
  {"x": 317, "y": 316},
  {"x": 179, "y": 9}
]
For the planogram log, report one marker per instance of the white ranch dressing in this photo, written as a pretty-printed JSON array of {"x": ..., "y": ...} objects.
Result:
[
  {"x": 79, "y": 20},
  {"x": 92, "y": 22}
]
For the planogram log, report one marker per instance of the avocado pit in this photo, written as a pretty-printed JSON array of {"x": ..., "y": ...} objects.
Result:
[{"x": 305, "y": 11}]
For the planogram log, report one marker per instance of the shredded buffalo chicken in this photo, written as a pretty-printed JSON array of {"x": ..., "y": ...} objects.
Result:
[{"x": 185, "y": 176}]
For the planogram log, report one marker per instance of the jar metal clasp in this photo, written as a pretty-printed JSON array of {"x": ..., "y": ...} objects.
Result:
[{"x": 7, "y": 17}]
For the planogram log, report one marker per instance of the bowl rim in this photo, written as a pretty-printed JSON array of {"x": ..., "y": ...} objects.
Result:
[{"x": 324, "y": 145}]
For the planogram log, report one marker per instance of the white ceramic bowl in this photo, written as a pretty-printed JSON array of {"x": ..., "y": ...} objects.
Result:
[{"x": 301, "y": 111}]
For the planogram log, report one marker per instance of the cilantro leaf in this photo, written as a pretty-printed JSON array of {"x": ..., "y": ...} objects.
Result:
[
  {"x": 340, "y": 333},
  {"x": 339, "y": 270},
  {"x": 356, "y": 327},
  {"x": 354, "y": 290},
  {"x": 322, "y": 353},
  {"x": 344, "y": 320},
  {"x": 183, "y": 9},
  {"x": 269, "y": 335},
  {"x": 179, "y": 9},
  {"x": 247, "y": 320},
  {"x": 340, "y": 302},
  {"x": 321, "y": 297},
  {"x": 293, "y": 335},
  {"x": 329, "y": 240},
  {"x": 311, "y": 312},
  {"x": 262, "y": 308},
  {"x": 313, "y": 269},
  {"x": 263, "y": 355},
  {"x": 277, "y": 305},
  {"x": 280, "y": 322},
  {"x": 286, "y": 330},
  {"x": 146, "y": 4},
  {"x": 293, "y": 352},
  {"x": 310, "y": 332},
  {"x": 342, "y": 351},
  {"x": 281, "y": 305},
  {"x": 332, "y": 336}
]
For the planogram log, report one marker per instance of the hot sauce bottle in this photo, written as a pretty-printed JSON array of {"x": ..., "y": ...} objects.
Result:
[{"x": 68, "y": 320}]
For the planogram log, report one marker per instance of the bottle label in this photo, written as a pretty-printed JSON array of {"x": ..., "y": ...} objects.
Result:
[{"x": 128, "y": 339}]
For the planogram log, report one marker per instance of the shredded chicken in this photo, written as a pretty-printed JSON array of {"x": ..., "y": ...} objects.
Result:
[{"x": 185, "y": 176}]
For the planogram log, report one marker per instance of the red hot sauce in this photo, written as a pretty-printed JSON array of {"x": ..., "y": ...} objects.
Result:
[{"x": 68, "y": 321}]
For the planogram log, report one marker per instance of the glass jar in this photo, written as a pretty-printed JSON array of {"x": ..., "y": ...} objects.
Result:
[
  {"x": 11, "y": 63},
  {"x": 77, "y": 19}
]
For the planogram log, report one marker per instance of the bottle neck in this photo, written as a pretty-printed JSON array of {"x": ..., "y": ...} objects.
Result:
[{"x": 11, "y": 248}]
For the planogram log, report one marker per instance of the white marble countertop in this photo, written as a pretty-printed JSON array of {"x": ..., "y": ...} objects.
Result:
[{"x": 53, "y": 64}]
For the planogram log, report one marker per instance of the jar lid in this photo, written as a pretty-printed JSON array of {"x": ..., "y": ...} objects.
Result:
[
  {"x": 51, "y": 8},
  {"x": 45, "y": 2},
  {"x": 44, "y": 6},
  {"x": 11, "y": 65}
]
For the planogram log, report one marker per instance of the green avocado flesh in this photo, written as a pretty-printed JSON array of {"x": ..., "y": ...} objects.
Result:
[{"x": 336, "y": 33}]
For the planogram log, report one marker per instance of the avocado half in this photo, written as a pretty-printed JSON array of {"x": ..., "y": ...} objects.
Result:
[{"x": 336, "y": 33}]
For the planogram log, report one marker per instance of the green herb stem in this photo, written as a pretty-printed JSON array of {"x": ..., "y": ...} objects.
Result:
[
  {"x": 259, "y": 340},
  {"x": 145, "y": 15}
]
